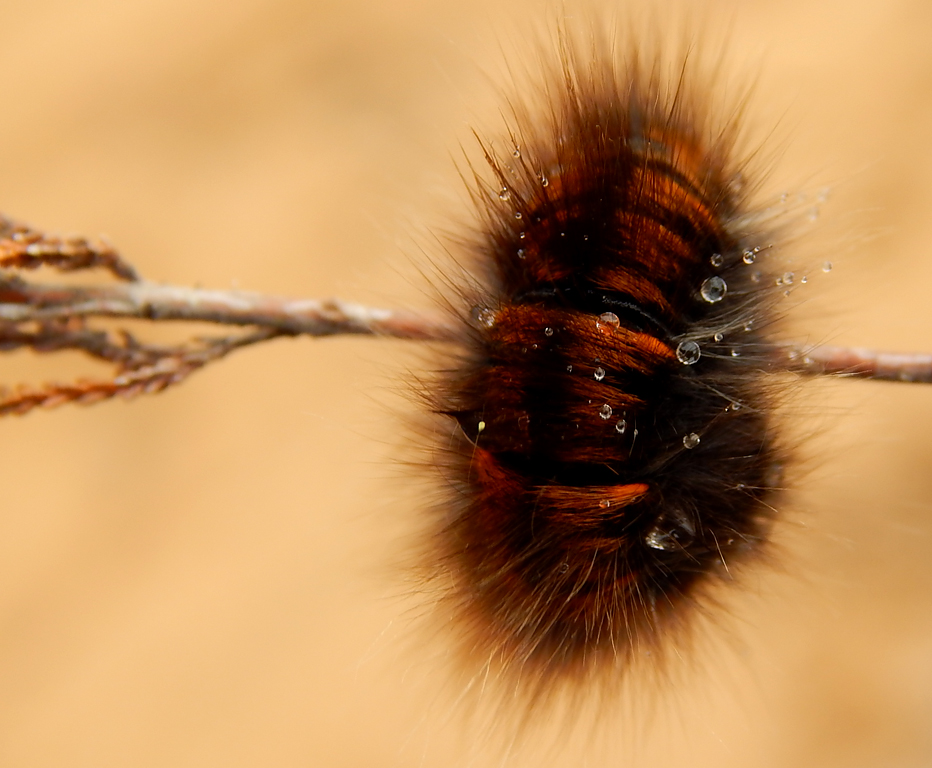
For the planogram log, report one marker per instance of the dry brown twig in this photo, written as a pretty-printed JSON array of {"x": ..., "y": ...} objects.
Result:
[{"x": 47, "y": 317}]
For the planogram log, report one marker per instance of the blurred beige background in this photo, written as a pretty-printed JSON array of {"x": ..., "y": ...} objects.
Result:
[{"x": 204, "y": 578}]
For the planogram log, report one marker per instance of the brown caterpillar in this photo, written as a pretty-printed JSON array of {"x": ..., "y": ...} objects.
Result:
[{"x": 607, "y": 431}]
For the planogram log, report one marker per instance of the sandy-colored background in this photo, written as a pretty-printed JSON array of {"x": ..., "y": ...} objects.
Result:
[{"x": 199, "y": 578}]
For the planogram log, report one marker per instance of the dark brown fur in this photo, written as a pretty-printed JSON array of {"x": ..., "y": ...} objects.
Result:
[{"x": 580, "y": 523}]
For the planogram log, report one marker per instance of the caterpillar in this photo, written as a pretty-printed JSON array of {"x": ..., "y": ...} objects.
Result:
[{"x": 606, "y": 425}]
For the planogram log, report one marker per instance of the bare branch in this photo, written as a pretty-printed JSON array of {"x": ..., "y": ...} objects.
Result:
[
  {"x": 859, "y": 363},
  {"x": 21, "y": 302},
  {"x": 22, "y": 247},
  {"x": 48, "y": 317},
  {"x": 143, "y": 369}
]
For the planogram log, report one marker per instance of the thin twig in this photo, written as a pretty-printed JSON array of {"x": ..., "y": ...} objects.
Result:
[
  {"x": 48, "y": 317},
  {"x": 22, "y": 247},
  {"x": 859, "y": 363},
  {"x": 165, "y": 367},
  {"x": 21, "y": 301}
]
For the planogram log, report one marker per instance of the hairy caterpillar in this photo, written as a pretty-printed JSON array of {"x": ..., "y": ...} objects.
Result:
[
  {"x": 610, "y": 442},
  {"x": 607, "y": 432},
  {"x": 182, "y": 576}
]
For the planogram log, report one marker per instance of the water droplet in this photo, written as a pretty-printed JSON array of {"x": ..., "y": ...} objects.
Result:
[
  {"x": 518, "y": 215},
  {"x": 691, "y": 440},
  {"x": 827, "y": 266},
  {"x": 671, "y": 532},
  {"x": 688, "y": 352},
  {"x": 748, "y": 325},
  {"x": 544, "y": 181},
  {"x": 480, "y": 427},
  {"x": 735, "y": 353},
  {"x": 719, "y": 336},
  {"x": 717, "y": 259},
  {"x": 605, "y": 504},
  {"x": 522, "y": 235},
  {"x": 735, "y": 407},
  {"x": 504, "y": 193},
  {"x": 599, "y": 374},
  {"x": 610, "y": 318},
  {"x": 605, "y": 411},
  {"x": 713, "y": 290},
  {"x": 804, "y": 279},
  {"x": 569, "y": 369},
  {"x": 748, "y": 256},
  {"x": 620, "y": 426},
  {"x": 483, "y": 316},
  {"x": 788, "y": 278},
  {"x": 564, "y": 567},
  {"x": 756, "y": 276},
  {"x": 607, "y": 323},
  {"x": 548, "y": 331},
  {"x": 521, "y": 253},
  {"x": 517, "y": 152}
]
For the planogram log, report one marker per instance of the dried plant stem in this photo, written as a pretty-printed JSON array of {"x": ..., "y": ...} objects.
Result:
[
  {"x": 47, "y": 317},
  {"x": 141, "y": 369},
  {"x": 30, "y": 302},
  {"x": 859, "y": 363}
]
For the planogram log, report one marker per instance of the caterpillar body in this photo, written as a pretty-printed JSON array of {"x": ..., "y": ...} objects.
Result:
[{"x": 606, "y": 423}]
